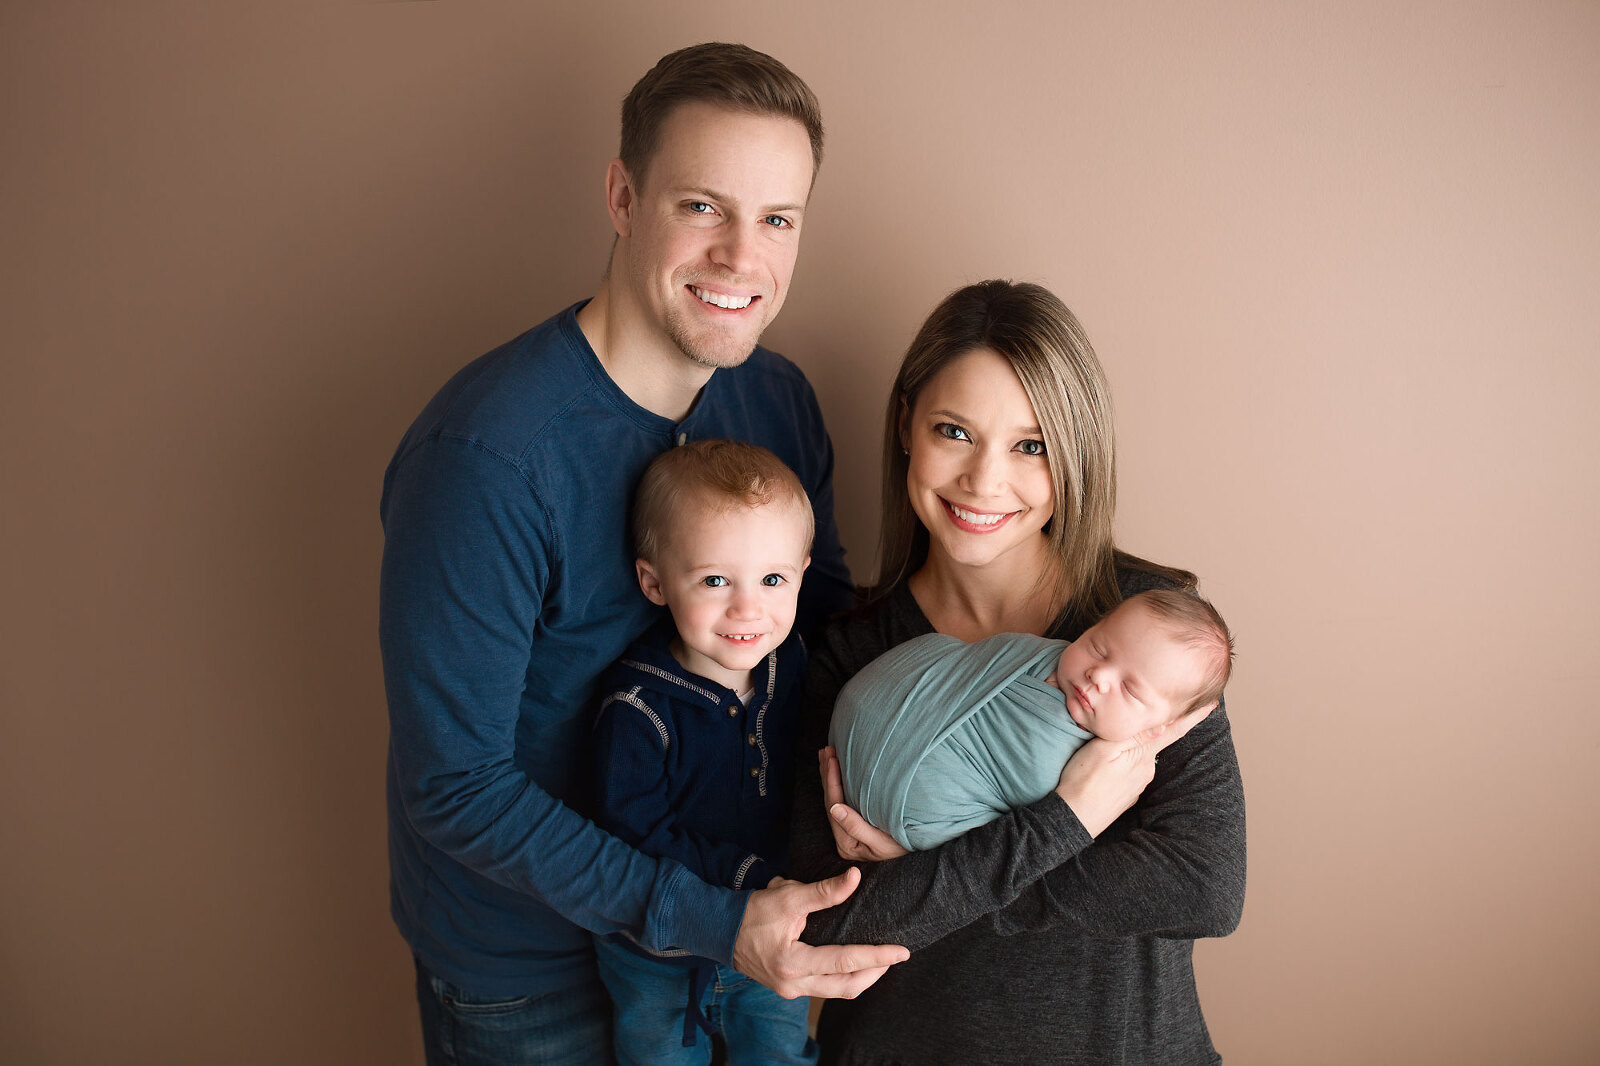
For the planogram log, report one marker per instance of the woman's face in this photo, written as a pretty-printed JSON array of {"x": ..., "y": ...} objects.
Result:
[{"x": 978, "y": 476}]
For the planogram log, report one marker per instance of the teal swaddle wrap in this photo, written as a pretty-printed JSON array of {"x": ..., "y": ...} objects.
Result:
[{"x": 937, "y": 736}]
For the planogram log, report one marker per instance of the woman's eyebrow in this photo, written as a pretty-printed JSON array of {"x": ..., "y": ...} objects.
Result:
[{"x": 956, "y": 416}]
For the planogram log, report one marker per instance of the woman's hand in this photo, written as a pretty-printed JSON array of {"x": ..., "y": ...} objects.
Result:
[
  {"x": 1104, "y": 778},
  {"x": 857, "y": 839}
]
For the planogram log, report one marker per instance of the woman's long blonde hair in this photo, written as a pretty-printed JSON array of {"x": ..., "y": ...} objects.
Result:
[{"x": 1029, "y": 327}]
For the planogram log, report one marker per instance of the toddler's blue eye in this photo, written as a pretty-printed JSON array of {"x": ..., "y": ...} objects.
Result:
[
  {"x": 715, "y": 581},
  {"x": 772, "y": 580}
]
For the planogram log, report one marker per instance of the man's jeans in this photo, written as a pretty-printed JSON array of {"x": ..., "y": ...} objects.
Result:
[
  {"x": 569, "y": 1027},
  {"x": 651, "y": 999}
]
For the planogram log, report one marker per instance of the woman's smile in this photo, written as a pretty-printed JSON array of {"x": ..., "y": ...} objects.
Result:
[{"x": 977, "y": 521}]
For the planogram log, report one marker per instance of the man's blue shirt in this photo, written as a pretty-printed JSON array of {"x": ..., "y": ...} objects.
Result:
[{"x": 507, "y": 588}]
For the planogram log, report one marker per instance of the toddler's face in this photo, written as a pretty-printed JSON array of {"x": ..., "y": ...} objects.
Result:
[
  {"x": 1126, "y": 675},
  {"x": 731, "y": 577}
]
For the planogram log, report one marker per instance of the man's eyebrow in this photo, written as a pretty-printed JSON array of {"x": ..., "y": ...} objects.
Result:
[
  {"x": 723, "y": 198},
  {"x": 700, "y": 191}
]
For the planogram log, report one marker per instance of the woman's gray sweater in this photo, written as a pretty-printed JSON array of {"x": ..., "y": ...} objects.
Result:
[{"x": 1031, "y": 941}]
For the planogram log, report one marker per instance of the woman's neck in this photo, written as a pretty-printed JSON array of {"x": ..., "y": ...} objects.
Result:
[{"x": 970, "y": 603}]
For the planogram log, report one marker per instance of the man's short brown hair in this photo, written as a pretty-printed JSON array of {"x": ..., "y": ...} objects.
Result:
[{"x": 727, "y": 75}]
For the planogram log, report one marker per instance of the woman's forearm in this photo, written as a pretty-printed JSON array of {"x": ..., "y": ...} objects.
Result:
[
  {"x": 923, "y": 896},
  {"x": 1173, "y": 866}
]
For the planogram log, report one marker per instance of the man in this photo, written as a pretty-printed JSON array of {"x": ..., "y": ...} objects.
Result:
[{"x": 508, "y": 581}]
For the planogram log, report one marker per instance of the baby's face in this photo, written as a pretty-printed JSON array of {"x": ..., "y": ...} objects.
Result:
[
  {"x": 1126, "y": 675},
  {"x": 730, "y": 576}
]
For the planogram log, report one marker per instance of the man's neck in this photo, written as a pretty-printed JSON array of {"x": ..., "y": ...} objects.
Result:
[{"x": 644, "y": 364}]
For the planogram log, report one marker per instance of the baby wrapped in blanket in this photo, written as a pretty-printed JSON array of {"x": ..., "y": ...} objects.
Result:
[{"x": 937, "y": 736}]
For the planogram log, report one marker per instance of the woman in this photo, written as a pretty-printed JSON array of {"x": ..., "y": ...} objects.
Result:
[{"x": 1061, "y": 932}]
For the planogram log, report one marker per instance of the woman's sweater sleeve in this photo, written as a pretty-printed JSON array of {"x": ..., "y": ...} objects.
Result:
[
  {"x": 1173, "y": 865},
  {"x": 923, "y": 896}
]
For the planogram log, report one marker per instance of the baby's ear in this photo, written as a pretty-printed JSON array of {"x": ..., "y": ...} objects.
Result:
[{"x": 649, "y": 582}]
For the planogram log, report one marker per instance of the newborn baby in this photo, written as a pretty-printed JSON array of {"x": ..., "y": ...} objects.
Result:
[{"x": 937, "y": 736}]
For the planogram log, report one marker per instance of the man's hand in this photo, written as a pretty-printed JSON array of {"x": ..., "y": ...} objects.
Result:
[
  {"x": 856, "y": 839},
  {"x": 1104, "y": 778},
  {"x": 768, "y": 947}
]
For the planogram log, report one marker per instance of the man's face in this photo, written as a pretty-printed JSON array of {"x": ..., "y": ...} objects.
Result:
[{"x": 713, "y": 229}]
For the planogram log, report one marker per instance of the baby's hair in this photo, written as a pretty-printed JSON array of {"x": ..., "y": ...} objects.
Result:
[
  {"x": 1194, "y": 623},
  {"x": 710, "y": 474}
]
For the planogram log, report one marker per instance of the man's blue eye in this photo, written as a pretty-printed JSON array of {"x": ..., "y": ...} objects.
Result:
[
  {"x": 715, "y": 581},
  {"x": 1031, "y": 447},
  {"x": 772, "y": 579},
  {"x": 777, "y": 221},
  {"x": 700, "y": 207}
]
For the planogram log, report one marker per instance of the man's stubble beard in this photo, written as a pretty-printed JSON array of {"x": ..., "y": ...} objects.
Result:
[{"x": 732, "y": 352}]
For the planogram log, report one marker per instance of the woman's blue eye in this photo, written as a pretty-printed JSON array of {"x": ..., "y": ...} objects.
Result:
[
  {"x": 715, "y": 581},
  {"x": 950, "y": 431},
  {"x": 772, "y": 580},
  {"x": 1031, "y": 447}
]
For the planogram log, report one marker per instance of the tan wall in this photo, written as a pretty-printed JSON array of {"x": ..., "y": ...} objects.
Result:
[{"x": 1340, "y": 261}]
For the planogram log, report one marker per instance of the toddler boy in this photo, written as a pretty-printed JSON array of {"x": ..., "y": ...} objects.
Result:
[
  {"x": 935, "y": 736},
  {"x": 695, "y": 733}
]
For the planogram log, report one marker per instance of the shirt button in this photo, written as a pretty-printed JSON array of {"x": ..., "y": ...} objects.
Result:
[
  {"x": 683, "y": 438},
  {"x": 751, "y": 740},
  {"x": 755, "y": 771},
  {"x": 733, "y": 710}
]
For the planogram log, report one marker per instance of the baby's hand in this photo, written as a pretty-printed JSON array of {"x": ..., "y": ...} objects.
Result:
[{"x": 856, "y": 839}]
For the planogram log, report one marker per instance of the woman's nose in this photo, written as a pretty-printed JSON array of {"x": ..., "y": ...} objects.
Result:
[{"x": 985, "y": 474}]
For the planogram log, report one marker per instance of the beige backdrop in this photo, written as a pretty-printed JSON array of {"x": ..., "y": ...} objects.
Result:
[{"x": 1341, "y": 264}]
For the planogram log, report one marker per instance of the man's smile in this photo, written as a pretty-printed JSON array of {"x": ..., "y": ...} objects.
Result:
[{"x": 722, "y": 300}]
